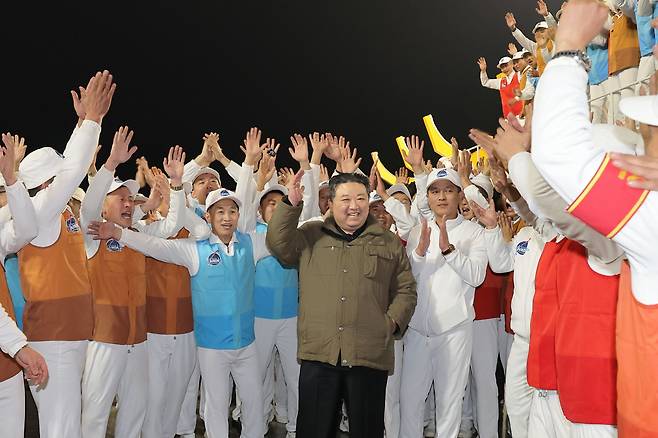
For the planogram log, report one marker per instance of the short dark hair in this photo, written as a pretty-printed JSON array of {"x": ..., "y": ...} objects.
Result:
[{"x": 344, "y": 178}]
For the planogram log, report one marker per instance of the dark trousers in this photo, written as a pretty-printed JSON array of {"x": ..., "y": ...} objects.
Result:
[{"x": 321, "y": 389}]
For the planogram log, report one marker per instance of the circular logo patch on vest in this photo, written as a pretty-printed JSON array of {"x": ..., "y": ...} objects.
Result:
[
  {"x": 214, "y": 259},
  {"x": 113, "y": 245},
  {"x": 522, "y": 247},
  {"x": 72, "y": 225}
]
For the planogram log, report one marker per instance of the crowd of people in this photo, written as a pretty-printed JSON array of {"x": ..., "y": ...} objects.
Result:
[{"x": 323, "y": 299}]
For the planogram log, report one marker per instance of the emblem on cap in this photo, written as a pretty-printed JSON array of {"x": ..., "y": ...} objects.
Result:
[
  {"x": 72, "y": 225},
  {"x": 113, "y": 245},
  {"x": 214, "y": 259},
  {"x": 522, "y": 247},
  {"x": 224, "y": 192},
  {"x": 441, "y": 173}
]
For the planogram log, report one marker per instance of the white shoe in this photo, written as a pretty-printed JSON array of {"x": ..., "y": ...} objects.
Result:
[
  {"x": 344, "y": 424},
  {"x": 291, "y": 435},
  {"x": 465, "y": 434},
  {"x": 430, "y": 430}
]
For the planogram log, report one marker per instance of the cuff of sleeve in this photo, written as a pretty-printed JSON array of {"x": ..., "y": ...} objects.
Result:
[
  {"x": 452, "y": 256},
  {"x": 126, "y": 236},
  {"x": 490, "y": 230},
  {"x": 416, "y": 258},
  {"x": 89, "y": 125},
  {"x": 16, "y": 347}
]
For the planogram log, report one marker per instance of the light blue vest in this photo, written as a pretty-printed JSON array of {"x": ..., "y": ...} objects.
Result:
[
  {"x": 277, "y": 288},
  {"x": 599, "y": 56},
  {"x": 223, "y": 295},
  {"x": 15, "y": 289},
  {"x": 645, "y": 33}
]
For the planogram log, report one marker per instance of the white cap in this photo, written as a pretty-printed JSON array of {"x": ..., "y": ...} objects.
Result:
[
  {"x": 273, "y": 188},
  {"x": 399, "y": 188},
  {"x": 374, "y": 197},
  {"x": 78, "y": 195},
  {"x": 644, "y": 109},
  {"x": 483, "y": 181},
  {"x": 203, "y": 170},
  {"x": 39, "y": 166},
  {"x": 219, "y": 194},
  {"x": 446, "y": 162},
  {"x": 519, "y": 55},
  {"x": 540, "y": 25},
  {"x": 504, "y": 60},
  {"x": 323, "y": 185},
  {"x": 449, "y": 174},
  {"x": 131, "y": 184}
]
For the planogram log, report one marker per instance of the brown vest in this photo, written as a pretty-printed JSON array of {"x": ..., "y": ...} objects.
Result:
[
  {"x": 118, "y": 282},
  {"x": 168, "y": 296},
  {"x": 56, "y": 287},
  {"x": 8, "y": 366},
  {"x": 623, "y": 45}
]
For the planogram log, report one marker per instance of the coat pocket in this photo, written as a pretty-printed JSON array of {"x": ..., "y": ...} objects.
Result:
[{"x": 378, "y": 260}]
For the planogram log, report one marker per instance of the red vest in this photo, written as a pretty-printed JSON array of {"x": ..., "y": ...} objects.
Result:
[
  {"x": 541, "y": 355},
  {"x": 487, "y": 296},
  {"x": 507, "y": 88},
  {"x": 585, "y": 355}
]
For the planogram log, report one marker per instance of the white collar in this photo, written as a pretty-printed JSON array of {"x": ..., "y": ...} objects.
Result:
[{"x": 214, "y": 238}]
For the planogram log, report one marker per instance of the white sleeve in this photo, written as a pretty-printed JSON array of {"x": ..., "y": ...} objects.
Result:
[
  {"x": 528, "y": 92},
  {"x": 92, "y": 207},
  {"x": 245, "y": 191},
  {"x": 489, "y": 83},
  {"x": 19, "y": 231},
  {"x": 189, "y": 170},
  {"x": 178, "y": 251},
  {"x": 472, "y": 267},
  {"x": 403, "y": 220},
  {"x": 550, "y": 20},
  {"x": 472, "y": 194},
  {"x": 499, "y": 252},
  {"x": 172, "y": 223},
  {"x": 259, "y": 245},
  {"x": 233, "y": 170},
  {"x": 526, "y": 43},
  {"x": 310, "y": 196},
  {"x": 199, "y": 229},
  {"x": 421, "y": 196},
  {"x": 11, "y": 338},
  {"x": 521, "y": 208}
]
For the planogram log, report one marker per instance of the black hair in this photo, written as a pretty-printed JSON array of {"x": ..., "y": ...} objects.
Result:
[{"x": 344, "y": 178}]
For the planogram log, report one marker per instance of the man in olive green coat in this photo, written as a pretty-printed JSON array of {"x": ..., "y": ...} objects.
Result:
[{"x": 357, "y": 294}]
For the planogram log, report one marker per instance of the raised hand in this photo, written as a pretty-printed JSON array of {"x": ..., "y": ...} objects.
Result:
[
  {"x": 324, "y": 173},
  {"x": 174, "y": 165},
  {"x": 427, "y": 167},
  {"x": 444, "y": 242},
  {"x": 580, "y": 22},
  {"x": 319, "y": 144},
  {"x": 299, "y": 149},
  {"x": 415, "y": 155},
  {"x": 454, "y": 158},
  {"x": 380, "y": 188},
  {"x": 349, "y": 162},
  {"x": 20, "y": 149},
  {"x": 265, "y": 171},
  {"x": 212, "y": 140},
  {"x": 286, "y": 175},
  {"x": 252, "y": 149},
  {"x": 541, "y": 8},
  {"x": 295, "y": 191},
  {"x": 486, "y": 216},
  {"x": 402, "y": 176},
  {"x": 505, "y": 224},
  {"x": 36, "y": 369},
  {"x": 482, "y": 63},
  {"x": 334, "y": 146},
  {"x": 103, "y": 230},
  {"x": 509, "y": 141},
  {"x": 98, "y": 99},
  {"x": 78, "y": 103},
  {"x": 498, "y": 176},
  {"x": 7, "y": 159},
  {"x": 464, "y": 168},
  {"x": 484, "y": 140},
  {"x": 510, "y": 21},
  {"x": 424, "y": 239},
  {"x": 511, "y": 49},
  {"x": 121, "y": 150}
]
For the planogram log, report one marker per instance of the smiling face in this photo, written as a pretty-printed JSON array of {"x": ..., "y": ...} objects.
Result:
[
  {"x": 268, "y": 204},
  {"x": 378, "y": 211},
  {"x": 465, "y": 209},
  {"x": 223, "y": 218},
  {"x": 350, "y": 206},
  {"x": 204, "y": 184},
  {"x": 444, "y": 198},
  {"x": 119, "y": 206}
]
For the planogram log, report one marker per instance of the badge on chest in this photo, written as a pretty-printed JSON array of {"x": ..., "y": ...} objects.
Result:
[
  {"x": 113, "y": 245},
  {"x": 72, "y": 225},
  {"x": 214, "y": 259}
]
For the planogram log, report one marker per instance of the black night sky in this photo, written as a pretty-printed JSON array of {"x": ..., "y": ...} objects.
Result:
[{"x": 365, "y": 69}]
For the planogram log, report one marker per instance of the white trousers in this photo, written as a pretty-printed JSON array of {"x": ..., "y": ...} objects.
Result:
[
  {"x": 171, "y": 361},
  {"x": 444, "y": 360},
  {"x": 599, "y": 107},
  {"x": 546, "y": 417},
  {"x": 187, "y": 419},
  {"x": 622, "y": 79},
  {"x": 114, "y": 370},
  {"x": 58, "y": 402},
  {"x": 282, "y": 334},
  {"x": 217, "y": 367},
  {"x": 518, "y": 394},
  {"x": 467, "y": 406},
  {"x": 280, "y": 391},
  {"x": 484, "y": 360},
  {"x": 392, "y": 402},
  {"x": 592, "y": 431},
  {"x": 646, "y": 69},
  {"x": 12, "y": 406},
  {"x": 504, "y": 342}
]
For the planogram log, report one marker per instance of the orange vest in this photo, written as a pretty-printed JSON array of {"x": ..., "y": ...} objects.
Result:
[
  {"x": 623, "y": 45},
  {"x": 8, "y": 366},
  {"x": 487, "y": 296},
  {"x": 637, "y": 350},
  {"x": 585, "y": 356},
  {"x": 539, "y": 56},
  {"x": 168, "y": 296},
  {"x": 541, "y": 355},
  {"x": 56, "y": 287},
  {"x": 507, "y": 88},
  {"x": 118, "y": 282}
]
